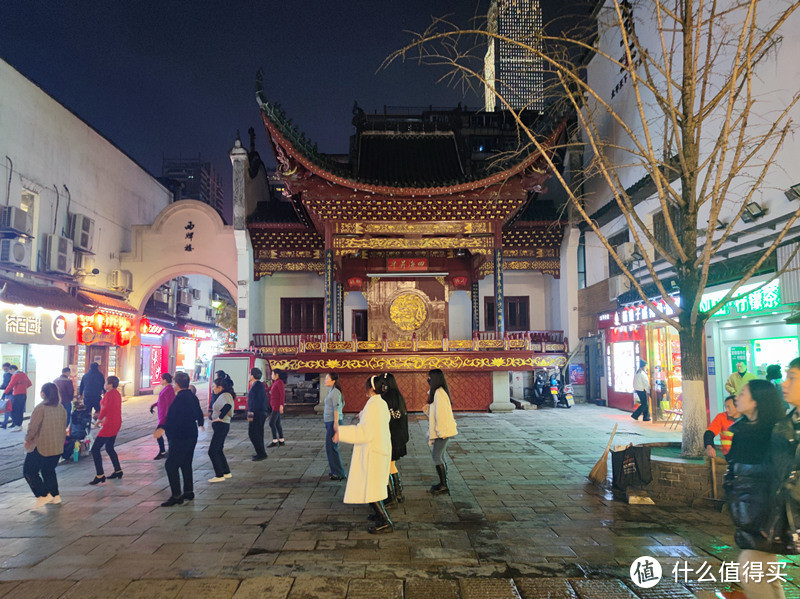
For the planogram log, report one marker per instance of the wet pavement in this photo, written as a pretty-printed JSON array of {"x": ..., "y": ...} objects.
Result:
[{"x": 521, "y": 521}]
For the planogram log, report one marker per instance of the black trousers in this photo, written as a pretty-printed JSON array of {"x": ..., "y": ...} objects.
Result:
[
  {"x": 108, "y": 443},
  {"x": 18, "y": 409},
  {"x": 161, "y": 447},
  {"x": 644, "y": 406},
  {"x": 215, "y": 448},
  {"x": 255, "y": 429},
  {"x": 275, "y": 425},
  {"x": 36, "y": 464},
  {"x": 179, "y": 461}
]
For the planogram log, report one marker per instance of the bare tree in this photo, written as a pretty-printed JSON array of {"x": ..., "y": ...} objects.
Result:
[{"x": 694, "y": 124}]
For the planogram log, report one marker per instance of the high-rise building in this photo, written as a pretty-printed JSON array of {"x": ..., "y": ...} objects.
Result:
[
  {"x": 197, "y": 178},
  {"x": 514, "y": 72}
]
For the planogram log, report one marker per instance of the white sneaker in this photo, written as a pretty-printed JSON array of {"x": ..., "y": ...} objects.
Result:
[
  {"x": 56, "y": 499},
  {"x": 16, "y": 429},
  {"x": 229, "y": 475},
  {"x": 42, "y": 501},
  {"x": 216, "y": 479}
]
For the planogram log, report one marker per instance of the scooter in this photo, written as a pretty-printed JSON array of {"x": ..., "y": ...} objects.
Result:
[
  {"x": 538, "y": 394},
  {"x": 562, "y": 395}
]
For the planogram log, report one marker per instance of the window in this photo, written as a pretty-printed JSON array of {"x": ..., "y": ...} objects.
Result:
[
  {"x": 582, "y": 261},
  {"x": 615, "y": 241},
  {"x": 302, "y": 315},
  {"x": 516, "y": 313},
  {"x": 660, "y": 231}
]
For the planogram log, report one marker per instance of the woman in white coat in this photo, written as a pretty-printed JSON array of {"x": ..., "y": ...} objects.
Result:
[
  {"x": 372, "y": 454},
  {"x": 441, "y": 426}
]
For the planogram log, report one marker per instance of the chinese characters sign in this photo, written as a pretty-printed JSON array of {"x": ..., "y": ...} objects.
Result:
[
  {"x": 23, "y": 325},
  {"x": 407, "y": 264},
  {"x": 188, "y": 236},
  {"x": 766, "y": 298}
]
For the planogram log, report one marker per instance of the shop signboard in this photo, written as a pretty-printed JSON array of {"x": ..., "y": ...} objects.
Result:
[
  {"x": 738, "y": 354},
  {"x": 712, "y": 368},
  {"x": 21, "y": 324},
  {"x": 767, "y": 297}
]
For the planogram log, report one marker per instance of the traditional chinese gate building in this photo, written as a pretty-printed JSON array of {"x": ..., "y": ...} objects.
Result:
[{"x": 378, "y": 261}]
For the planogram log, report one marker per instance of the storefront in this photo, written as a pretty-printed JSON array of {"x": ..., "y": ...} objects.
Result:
[
  {"x": 153, "y": 355},
  {"x": 633, "y": 334},
  {"x": 195, "y": 350},
  {"x": 102, "y": 336},
  {"x": 752, "y": 330},
  {"x": 36, "y": 340}
]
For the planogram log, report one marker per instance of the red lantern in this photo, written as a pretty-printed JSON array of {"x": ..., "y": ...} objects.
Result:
[
  {"x": 355, "y": 282},
  {"x": 99, "y": 320},
  {"x": 460, "y": 281},
  {"x": 144, "y": 325}
]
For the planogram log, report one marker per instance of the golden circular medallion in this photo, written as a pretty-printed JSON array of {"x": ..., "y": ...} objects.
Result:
[{"x": 408, "y": 311}]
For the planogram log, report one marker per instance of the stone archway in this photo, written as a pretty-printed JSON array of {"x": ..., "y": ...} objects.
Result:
[{"x": 187, "y": 237}]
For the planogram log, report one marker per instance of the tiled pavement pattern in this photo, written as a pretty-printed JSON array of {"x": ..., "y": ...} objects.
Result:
[{"x": 521, "y": 522}]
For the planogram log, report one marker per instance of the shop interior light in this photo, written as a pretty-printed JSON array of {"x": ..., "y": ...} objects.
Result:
[{"x": 216, "y": 304}]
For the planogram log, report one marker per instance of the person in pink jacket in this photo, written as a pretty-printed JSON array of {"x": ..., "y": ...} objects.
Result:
[
  {"x": 277, "y": 399},
  {"x": 165, "y": 399},
  {"x": 110, "y": 420}
]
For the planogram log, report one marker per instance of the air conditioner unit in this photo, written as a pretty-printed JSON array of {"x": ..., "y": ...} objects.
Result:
[
  {"x": 162, "y": 296},
  {"x": 617, "y": 286},
  {"x": 15, "y": 219},
  {"x": 183, "y": 282},
  {"x": 57, "y": 253},
  {"x": 626, "y": 252},
  {"x": 81, "y": 230},
  {"x": 16, "y": 251},
  {"x": 196, "y": 294},
  {"x": 84, "y": 262},
  {"x": 121, "y": 280},
  {"x": 185, "y": 298}
]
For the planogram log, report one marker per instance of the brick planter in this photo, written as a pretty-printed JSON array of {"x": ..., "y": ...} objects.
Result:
[{"x": 678, "y": 481}]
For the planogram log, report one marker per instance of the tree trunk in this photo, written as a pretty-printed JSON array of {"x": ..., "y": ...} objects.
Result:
[{"x": 694, "y": 390}]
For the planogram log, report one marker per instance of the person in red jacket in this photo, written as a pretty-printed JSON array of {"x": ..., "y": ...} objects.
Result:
[
  {"x": 18, "y": 389},
  {"x": 277, "y": 395},
  {"x": 110, "y": 420},
  {"x": 719, "y": 426}
]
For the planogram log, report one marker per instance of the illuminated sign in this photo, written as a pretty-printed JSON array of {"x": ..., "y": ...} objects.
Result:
[
  {"x": 103, "y": 327},
  {"x": 23, "y": 325},
  {"x": 766, "y": 298},
  {"x": 198, "y": 333},
  {"x": 148, "y": 328},
  {"x": 59, "y": 327}
]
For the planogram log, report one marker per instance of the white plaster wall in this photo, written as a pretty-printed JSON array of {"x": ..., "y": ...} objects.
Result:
[
  {"x": 776, "y": 84},
  {"x": 205, "y": 285},
  {"x": 279, "y": 285},
  {"x": 460, "y": 315},
  {"x": 516, "y": 283},
  {"x": 354, "y": 300},
  {"x": 50, "y": 146}
]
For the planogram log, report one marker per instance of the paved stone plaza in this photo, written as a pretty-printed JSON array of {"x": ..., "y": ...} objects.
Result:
[{"x": 521, "y": 521}]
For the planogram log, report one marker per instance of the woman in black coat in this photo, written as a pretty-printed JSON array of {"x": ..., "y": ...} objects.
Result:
[
  {"x": 749, "y": 479},
  {"x": 398, "y": 429}
]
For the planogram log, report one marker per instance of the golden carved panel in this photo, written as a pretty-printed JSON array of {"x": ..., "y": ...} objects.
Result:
[
  {"x": 343, "y": 244},
  {"x": 401, "y": 345},
  {"x": 417, "y": 362},
  {"x": 460, "y": 344},
  {"x": 432, "y": 344},
  {"x": 339, "y": 345},
  {"x": 408, "y": 311},
  {"x": 405, "y": 228}
]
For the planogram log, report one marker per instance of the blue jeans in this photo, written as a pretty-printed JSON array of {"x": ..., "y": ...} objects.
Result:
[
  {"x": 438, "y": 451},
  {"x": 68, "y": 408},
  {"x": 18, "y": 409},
  {"x": 7, "y": 416},
  {"x": 332, "y": 449}
]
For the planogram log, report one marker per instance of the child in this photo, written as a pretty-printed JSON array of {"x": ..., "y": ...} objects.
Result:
[{"x": 110, "y": 420}]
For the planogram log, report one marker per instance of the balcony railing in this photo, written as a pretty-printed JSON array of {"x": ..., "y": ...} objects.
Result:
[{"x": 275, "y": 344}]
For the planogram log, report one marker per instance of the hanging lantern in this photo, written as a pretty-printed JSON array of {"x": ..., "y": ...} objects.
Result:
[
  {"x": 144, "y": 325},
  {"x": 99, "y": 320}
]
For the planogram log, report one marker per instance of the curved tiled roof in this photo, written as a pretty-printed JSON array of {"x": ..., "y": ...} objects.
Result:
[{"x": 40, "y": 296}]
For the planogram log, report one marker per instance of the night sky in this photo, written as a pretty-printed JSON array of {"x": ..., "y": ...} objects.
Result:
[{"x": 177, "y": 78}]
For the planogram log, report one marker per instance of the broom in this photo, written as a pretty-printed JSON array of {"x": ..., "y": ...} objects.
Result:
[{"x": 600, "y": 471}]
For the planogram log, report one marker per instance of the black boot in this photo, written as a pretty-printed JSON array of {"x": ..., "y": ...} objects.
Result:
[
  {"x": 391, "y": 499},
  {"x": 442, "y": 487},
  {"x": 384, "y": 524},
  {"x": 398, "y": 487}
]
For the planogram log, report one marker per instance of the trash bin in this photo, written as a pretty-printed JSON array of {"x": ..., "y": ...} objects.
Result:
[{"x": 630, "y": 467}]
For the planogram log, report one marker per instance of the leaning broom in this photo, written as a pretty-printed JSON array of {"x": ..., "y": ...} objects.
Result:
[{"x": 600, "y": 471}]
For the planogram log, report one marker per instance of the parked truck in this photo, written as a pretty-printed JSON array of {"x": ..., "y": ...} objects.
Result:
[{"x": 237, "y": 365}]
